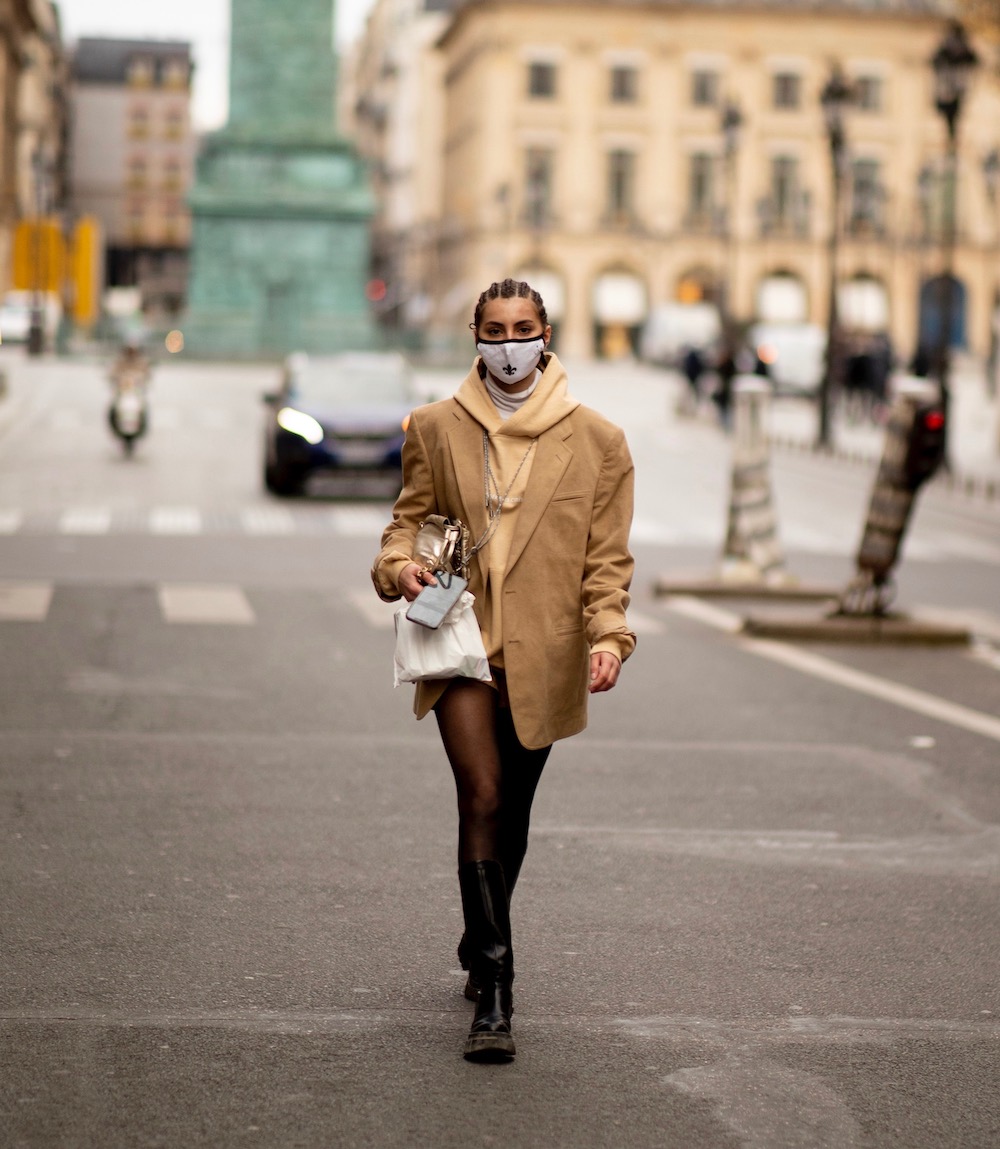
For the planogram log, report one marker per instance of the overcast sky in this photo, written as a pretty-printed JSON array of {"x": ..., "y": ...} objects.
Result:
[{"x": 203, "y": 23}]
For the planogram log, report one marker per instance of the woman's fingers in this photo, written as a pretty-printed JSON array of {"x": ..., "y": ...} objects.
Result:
[{"x": 604, "y": 671}]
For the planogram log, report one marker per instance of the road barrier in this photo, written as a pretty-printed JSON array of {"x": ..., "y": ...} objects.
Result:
[
  {"x": 913, "y": 450},
  {"x": 752, "y": 551}
]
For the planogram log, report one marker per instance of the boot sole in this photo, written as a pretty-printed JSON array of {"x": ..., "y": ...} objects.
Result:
[{"x": 489, "y": 1047}]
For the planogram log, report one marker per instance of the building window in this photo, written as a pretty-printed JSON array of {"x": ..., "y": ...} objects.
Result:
[
  {"x": 173, "y": 178},
  {"x": 866, "y": 193},
  {"x": 538, "y": 179},
  {"x": 704, "y": 88},
  {"x": 624, "y": 84},
  {"x": 868, "y": 93},
  {"x": 174, "y": 123},
  {"x": 136, "y": 173},
  {"x": 621, "y": 186},
  {"x": 138, "y": 122},
  {"x": 139, "y": 72},
  {"x": 784, "y": 189},
  {"x": 175, "y": 74},
  {"x": 787, "y": 90},
  {"x": 701, "y": 186},
  {"x": 541, "y": 80}
]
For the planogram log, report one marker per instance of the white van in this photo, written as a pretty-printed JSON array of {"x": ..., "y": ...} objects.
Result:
[
  {"x": 672, "y": 327},
  {"x": 793, "y": 353}
]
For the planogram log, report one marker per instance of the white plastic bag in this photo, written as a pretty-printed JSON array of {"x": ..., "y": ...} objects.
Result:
[{"x": 454, "y": 650}]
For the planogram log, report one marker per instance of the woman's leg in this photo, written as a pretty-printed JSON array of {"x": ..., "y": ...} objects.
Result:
[
  {"x": 521, "y": 770},
  {"x": 466, "y": 716}
]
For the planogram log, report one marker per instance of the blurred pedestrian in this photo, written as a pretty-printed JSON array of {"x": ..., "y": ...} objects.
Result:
[
  {"x": 693, "y": 365},
  {"x": 726, "y": 370},
  {"x": 550, "y": 570}
]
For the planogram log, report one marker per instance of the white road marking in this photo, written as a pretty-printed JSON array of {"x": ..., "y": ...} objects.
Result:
[
  {"x": 705, "y": 612},
  {"x": 25, "y": 601},
  {"x": 375, "y": 612},
  {"x": 175, "y": 521},
  {"x": 918, "y": 701},
  {"x": 213, "y": 603},
  {"x": 10, "y": 521},
  {"x": 85, "y": 521},
  {"x": 267, "y": 520},
  {"x": 645, "y": 623},
  {"x": 360, "y": 522}
]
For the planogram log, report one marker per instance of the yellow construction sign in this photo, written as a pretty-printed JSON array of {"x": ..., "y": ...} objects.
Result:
[{"x": 39, "y": 256}]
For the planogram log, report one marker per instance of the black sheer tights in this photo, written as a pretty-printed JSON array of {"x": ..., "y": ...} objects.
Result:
[{"x": 495, "y": 776}]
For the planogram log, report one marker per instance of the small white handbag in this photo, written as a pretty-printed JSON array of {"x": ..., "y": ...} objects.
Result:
[{"x": 453, "y": 650}]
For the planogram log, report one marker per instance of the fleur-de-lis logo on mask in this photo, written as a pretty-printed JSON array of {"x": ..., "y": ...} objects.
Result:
[{"x": 510, "y": 369}]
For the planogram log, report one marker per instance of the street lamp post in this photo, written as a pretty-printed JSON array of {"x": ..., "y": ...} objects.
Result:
[
  {"x": 834, "y": 99},
  {"x": 991, "y": 174},
  {"x": 953, "y": 64},
  {"x": 730, "y": 123}
]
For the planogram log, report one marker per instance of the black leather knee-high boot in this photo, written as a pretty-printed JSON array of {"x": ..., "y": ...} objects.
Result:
[
  {"x": 511, "y": 870},
  {"x": 491, "y": 959}
]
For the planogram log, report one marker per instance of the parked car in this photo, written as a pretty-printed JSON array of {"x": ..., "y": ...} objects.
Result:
[
  {"x": 343, "y": 416},
  {"x": 793, "y": 355}
]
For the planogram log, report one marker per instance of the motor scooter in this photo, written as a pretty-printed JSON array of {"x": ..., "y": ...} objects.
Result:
[{"x": 128, "y": 414}]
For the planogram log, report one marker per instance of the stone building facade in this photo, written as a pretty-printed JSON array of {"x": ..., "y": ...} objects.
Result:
[
  {"x": 33, "y": 119},
  {"x": 132, "y": 161},
  {"x": 581, "y": 145}
]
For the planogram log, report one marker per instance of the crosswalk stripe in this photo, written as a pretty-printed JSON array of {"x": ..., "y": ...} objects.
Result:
[
  {"x": 25, "y": 601},
  {"x": 211, "y": 603},
  {"x": 359, "y": 522},
  {"x": 85, "y": 521},
  {"x": 267, "y": 520},
  {"x": 175, "y": 521},
  {"x": 10, "y": 521}
]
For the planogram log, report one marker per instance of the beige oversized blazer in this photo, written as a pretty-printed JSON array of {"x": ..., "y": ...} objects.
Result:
[{"x": 569, "y": 567}]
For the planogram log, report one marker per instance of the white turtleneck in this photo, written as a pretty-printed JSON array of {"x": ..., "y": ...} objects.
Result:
[{"x": 505, "y": 402}]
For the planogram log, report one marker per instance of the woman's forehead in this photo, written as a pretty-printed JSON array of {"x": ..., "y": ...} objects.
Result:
[{"x": 511, "y": 310}]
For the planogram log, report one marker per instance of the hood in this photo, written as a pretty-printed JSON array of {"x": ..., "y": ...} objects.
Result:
[{"x": 548, "y": 404}]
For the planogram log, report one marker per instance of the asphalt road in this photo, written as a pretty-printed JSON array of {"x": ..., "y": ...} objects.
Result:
[{"x": 760, "y": 906}]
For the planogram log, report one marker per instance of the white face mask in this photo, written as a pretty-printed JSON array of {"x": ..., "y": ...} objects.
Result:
[{"x": 511, "y": 360}]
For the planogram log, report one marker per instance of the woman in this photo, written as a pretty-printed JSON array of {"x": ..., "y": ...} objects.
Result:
[{"x": 545, "y": 487}]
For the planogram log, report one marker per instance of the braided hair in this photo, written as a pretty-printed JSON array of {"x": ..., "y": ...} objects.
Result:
[{"x": 509, "y": 289}]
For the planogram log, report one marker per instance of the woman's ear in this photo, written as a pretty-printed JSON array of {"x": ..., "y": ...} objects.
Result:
[{"x": 547, "y": 334}]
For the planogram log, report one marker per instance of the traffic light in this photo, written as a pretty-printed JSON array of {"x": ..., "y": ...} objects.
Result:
[{"x": 925, "y": 450}]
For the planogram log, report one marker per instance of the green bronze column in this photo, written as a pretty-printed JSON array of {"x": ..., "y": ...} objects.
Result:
[
  {"x": 282, "y": 75},
  {"x": 281, "y": 204}
]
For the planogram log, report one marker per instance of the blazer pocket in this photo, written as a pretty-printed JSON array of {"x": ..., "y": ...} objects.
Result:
[
  {"x": 565, "y": 496},
  {"x": 568, "y": 628}
]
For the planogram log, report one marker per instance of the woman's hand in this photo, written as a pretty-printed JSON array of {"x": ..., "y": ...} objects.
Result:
[
  {"x": 604, "y": 671},
  {"x": 412, "y": 580}
]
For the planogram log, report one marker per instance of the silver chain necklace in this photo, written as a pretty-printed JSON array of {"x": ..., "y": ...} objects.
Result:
[{"x": 489, "y": 480}]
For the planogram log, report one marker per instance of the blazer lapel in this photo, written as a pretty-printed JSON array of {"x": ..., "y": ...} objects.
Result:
[{"x": 552, "y": 457}]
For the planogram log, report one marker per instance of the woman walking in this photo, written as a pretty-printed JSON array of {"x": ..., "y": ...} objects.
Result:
[{"x": 545, "y": 487}]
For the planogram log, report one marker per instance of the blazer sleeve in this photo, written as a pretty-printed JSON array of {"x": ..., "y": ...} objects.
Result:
[
  {"x": 609, "y": 563},
  {"x": 415, "y": 503}
]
